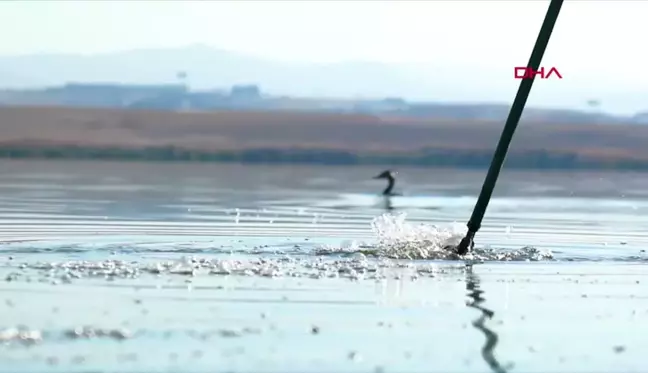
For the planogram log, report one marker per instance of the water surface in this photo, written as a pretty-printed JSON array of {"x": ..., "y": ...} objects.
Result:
[{"x": 203, "y": 267}]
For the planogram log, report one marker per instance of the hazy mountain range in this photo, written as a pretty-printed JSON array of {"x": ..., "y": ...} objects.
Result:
[
  {"x": 209, "y": 68},
  {"x": 212, "y": 68}
]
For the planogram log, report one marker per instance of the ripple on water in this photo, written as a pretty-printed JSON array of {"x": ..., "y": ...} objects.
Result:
[
  {"x": 394, "y": 237},
  {"x": 167, "y": 260}
]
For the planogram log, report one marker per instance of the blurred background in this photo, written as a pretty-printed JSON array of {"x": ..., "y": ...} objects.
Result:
[{"x": 425, "y": 83}]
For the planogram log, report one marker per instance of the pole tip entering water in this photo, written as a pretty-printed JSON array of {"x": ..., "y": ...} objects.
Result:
[{"x": 467, "y": 244}]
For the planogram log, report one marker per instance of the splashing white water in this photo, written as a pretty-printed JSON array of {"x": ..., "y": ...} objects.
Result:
[{"x": 398, "y": 238}]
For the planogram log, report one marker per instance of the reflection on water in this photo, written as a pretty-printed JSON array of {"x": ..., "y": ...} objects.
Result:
[
  {"x": 477, "y": 298},
  {"x": 387, "y": 203}
]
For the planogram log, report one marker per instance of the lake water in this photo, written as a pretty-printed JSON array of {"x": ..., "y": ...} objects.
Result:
[{"x": 124, "y": 267}]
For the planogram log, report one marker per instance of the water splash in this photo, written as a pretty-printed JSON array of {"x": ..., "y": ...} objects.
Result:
[{"x": 400, "y": 239}]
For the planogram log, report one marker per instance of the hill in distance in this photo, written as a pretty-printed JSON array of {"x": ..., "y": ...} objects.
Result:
[{"x": 211, "y": 68}]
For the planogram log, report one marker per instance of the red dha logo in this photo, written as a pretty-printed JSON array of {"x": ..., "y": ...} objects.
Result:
[{"x": 528, "y": 73}]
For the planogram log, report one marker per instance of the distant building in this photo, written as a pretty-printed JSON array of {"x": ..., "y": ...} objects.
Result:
[
  {"x": 641, "y": 118},
  {"x": 112, "y": 95},
  {"x": 246, "y": 92},
  {"x": 394, "y": 104},
  {"x": 387, "y": 105},
  {"x": 117, "y": 87}
]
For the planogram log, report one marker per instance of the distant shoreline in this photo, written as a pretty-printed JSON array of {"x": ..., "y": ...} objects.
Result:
[
  {"x": 466, "y": 159},
  {"x": 312, "y": 138}
]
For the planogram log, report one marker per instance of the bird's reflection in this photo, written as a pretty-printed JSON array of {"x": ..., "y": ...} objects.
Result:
[
  {"x": 476, "y": 299},
  {"x": 387, "y": 203}
]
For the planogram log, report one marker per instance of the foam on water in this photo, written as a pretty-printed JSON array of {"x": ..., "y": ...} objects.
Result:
[{"x": 357, "y": 267}]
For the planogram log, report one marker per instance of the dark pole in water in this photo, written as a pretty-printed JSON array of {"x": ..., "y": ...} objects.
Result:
[{"x": 509, "y": 128}]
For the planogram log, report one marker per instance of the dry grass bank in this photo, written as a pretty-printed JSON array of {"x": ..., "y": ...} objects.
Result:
[{"x": 233, "y": 131}]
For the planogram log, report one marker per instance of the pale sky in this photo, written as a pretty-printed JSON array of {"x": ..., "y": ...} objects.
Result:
[{"x": 602, "y": 40}]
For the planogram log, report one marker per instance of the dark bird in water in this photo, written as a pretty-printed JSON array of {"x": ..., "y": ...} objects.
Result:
[{"x": 391, "y": 181}]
